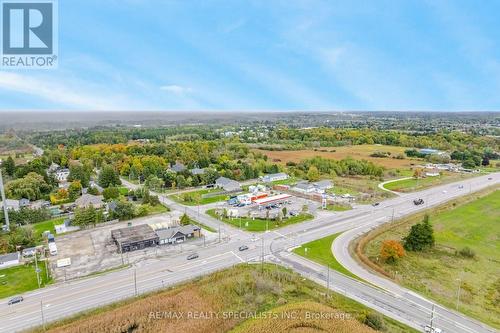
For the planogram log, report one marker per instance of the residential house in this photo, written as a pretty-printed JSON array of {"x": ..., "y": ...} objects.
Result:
[
  {"x": 88, "y": 200},
  {"x": 227, "y": 184},
  {"x": 273, "y": 177},
  {"x": 178, "y": 167},
  {"x": 53, "y": 168},
  {"x": 9, "y": 260},
  {"x": 317, "y": 187},
  {"x": 178, "y": 234},
  {"x": 197, "y": 171},
  {"x": 10, "y": 204},
  {"x": 62, "y": 175}
]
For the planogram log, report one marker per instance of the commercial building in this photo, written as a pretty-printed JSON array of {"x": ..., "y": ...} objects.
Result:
[
  {"x": 134, "y": 238},
  {"x": 272, "y": 199}
]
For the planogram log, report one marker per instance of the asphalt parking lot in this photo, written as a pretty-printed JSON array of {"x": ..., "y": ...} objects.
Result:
[{"x": 93, "y": 250}]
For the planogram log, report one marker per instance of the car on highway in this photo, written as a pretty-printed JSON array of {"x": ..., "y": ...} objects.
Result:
[
  {"x": 376, "y": 204},
  {"x": 17, "y": 299},
  {"x": 490, "y": 178},
  {"x": 430, "y": 329},
  {"x": 419, "y": 201},
  {"x": 192, "y": 256},
  {"x": 243, "y": 248},
  {"x": 460, "y": 186}
]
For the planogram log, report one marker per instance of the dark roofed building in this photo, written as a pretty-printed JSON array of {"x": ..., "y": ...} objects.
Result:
[{"x": 134, "y": 238}]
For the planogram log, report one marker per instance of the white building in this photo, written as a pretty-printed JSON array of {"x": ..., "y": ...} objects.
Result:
[
  {"x": 316, "y": 187},
  {"x": 62, "y": 175},
  {"x": 273, "y": 177}
]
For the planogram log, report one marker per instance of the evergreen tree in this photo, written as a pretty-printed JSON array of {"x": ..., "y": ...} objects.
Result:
[
  {"x": 10, "y": 166},
  {"x": 420, "y": 237}
]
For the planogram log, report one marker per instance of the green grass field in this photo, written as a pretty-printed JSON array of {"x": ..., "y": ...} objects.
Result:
[
  {"x": 320, "y": 251},
  {"x": 410, "y": 185},
  {"x": 259, "y": 225},
  {"x": 437, "y": 273},
  {"x": 20, "y": 279},
  {"x": 195, "y": 198},
  {"x": 338, "y": 208},
  {"x": 39, "y": 228}
]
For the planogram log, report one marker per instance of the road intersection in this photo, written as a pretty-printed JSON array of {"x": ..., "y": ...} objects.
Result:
[{"x": 65, "y": 299}]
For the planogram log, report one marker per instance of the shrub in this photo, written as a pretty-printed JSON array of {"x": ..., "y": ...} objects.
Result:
[
  {"x": 391, "y": 251},
  {"x": 375, "y": 321},
  {"x": 421, "y": 236},
  {"x": 467, "y": 252},
  {"x": 111, "y": 193}
]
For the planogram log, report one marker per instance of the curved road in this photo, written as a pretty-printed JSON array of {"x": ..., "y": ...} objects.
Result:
[{"x": 65, "y": 299}]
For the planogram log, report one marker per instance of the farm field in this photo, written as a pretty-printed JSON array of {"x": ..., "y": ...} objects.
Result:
[
  {"x": 250, "y": 224},
  {"x": 357, "y": 152},
  {"x": 437, "y": 273},
  {"x": 20, "y": 279},
  {"x": 365, "y": 190},
  {"x": 242, "y": 289}
]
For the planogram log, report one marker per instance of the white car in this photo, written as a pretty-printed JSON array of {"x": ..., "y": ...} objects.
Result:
[{"x": 430, "y": 329}]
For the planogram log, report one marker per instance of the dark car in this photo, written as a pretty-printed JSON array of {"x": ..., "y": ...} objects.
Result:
[
  {"x": 17, "y": 299},
  {"x": 418, "y": 201},
  {"x": 490, "y": 178},
  {"x": 376, "y": 204},
  {"x": 243, "y": 248},
  {"x": 192, "y": 256}
]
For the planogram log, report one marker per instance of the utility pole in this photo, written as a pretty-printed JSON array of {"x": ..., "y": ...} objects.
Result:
[
  {"x": 4, "y": 201},
  {"x": 135, "y": 281},
  {"x": 262, "y": 256},
  {"x": 37, "y": 271},
  {"x": 432, "y": 316},
  {"x": 328, "y": 280},
  {"x": 43, "y": 318}
]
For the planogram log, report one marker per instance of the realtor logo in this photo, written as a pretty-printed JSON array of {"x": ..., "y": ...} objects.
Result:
[{"x": 29, "y": 33}]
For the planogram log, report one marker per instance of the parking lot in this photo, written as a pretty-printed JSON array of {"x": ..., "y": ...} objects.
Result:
[{"x": 93, "y": 250}]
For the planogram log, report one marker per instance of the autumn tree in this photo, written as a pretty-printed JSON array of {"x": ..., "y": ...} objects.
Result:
[{"x": 391, "y": 251}]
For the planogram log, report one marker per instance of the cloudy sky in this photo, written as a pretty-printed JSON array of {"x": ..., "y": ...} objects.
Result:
[{"x": 267, "y": 55}]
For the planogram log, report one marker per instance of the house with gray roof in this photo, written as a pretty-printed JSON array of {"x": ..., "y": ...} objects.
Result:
[
  {"x": 227, "y": 184},
  {"x": 178, "y": 167},
  {"x": 9, "y": 259},
  {"x": 89, "y": 200},
  {"x": 178, "y": 234}
]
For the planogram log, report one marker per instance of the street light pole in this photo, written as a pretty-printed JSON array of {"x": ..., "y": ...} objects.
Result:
[{"x": 43, "y": 318}]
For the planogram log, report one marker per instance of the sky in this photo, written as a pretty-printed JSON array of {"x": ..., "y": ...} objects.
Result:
[{"x": 275, "y": 55}]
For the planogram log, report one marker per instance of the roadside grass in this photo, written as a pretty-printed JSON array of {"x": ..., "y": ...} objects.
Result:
[
  {"x": 472, "y": 222},
  {"x": 410, "y": 185},
  {"x": 123, "y": 190},
  {"x": 320, "y": 251},
  {"x": 158, "y": 209},
  {"x": 20, "y": 279},
  {"x": 241, "y": 289},
  {"x": 260, "y": 225},
  {"x": 365, "y": 189},
  {"x": 338, "y": 208},
  {"x": 194, "y": 198}
]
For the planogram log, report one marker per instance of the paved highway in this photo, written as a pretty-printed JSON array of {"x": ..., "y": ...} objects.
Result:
[{"x": 64, "y": 299}]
